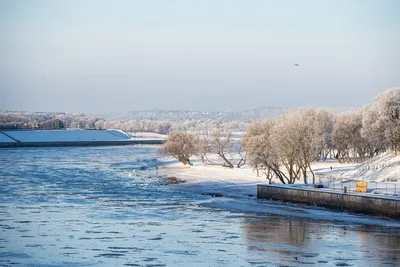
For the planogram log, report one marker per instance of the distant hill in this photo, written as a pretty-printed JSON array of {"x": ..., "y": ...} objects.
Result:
[
  {"x": 184, "y": 115},
  {"x": 223, "y": 116},
  {"x": 158, "y": 121}
]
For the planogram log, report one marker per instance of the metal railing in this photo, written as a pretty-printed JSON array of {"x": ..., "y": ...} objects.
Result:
[{"x": 374, "y": 187}]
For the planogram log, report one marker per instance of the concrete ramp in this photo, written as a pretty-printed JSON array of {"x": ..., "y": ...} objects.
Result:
[
  {"x": 69, "y": 138},
  {"x": 6, "y": 139}
]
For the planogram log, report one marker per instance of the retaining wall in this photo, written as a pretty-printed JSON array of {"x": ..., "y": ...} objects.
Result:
[
  {"x": 361, "y": 203},
  {"x": 83, "y": 143}
]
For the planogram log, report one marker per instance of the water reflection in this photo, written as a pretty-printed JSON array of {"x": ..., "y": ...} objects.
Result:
[
  {"x": 300, "y": 241},
  {"x": 275, "y": 229}
]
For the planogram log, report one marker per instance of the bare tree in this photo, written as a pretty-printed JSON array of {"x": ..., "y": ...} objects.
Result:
[
  {"x": 323, "y": 125},
  {"x": 347, "y": 138},
  {"x": 202, "y": 147},
  {"x": 181, "y": 146},
  {"x": 299, "y": 137},
  {"x": 387, "y": 107},
  {"x": 373, "y": 131},
  {"x": 312, "y": 134},
  {"x": 237, "y": 149},
  {"x": 341, "y": 130},
  {"x": 257, "y": 142},
  {"x": 286, "y": 141},
  {"x": 220, "y": 142}
]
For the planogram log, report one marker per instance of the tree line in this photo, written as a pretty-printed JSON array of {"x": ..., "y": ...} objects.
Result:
[
  {"x": 285, "y": 147},
  {"x": 32, "y": 120}
]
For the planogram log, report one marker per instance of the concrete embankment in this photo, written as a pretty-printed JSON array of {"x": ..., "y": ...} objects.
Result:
[
  {"x": 83, "y": 143},
  {"x": 42, "y": 138},
  {"x": 354, "y": 202}
]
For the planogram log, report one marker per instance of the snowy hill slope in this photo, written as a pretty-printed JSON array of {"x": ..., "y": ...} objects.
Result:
[
  {"x": 382, "y": 168},
  {"x": 224, "y": 116}
]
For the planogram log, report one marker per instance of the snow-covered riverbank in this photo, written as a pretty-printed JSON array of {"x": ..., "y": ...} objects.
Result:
[
  {"x": 235, "y": 189},
  {"x": 237, "y": 182},
  {"x": 241, "y": 182}
]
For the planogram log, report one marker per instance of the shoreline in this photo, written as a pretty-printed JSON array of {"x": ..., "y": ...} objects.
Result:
[
  {"x": 236, "y": 182},
  {"x": 236, "y": 189}
]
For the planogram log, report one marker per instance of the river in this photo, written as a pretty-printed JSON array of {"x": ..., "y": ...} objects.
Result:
[{"x": 100, "y": 206}]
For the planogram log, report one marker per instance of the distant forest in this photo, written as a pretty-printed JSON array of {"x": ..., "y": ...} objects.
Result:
[{"x": 158, "y": 121}]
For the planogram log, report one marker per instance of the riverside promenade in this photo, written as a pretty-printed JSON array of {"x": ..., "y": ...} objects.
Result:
[{"x": 366, "y": 203}]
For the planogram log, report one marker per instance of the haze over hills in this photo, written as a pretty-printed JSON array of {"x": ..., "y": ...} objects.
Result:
[
  {"x": 160, "y": 121},
  {"x": 223, "y": 116}
]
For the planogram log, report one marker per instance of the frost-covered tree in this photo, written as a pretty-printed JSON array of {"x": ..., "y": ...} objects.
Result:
[
  {"x": 285, "y": 140},
  {"x": 220, "y": 144},
  {"x": 373, "y": 132},
  {"x": 298, "y": 138},
  {"x": 387, "y": 107},
  {"x": 347, "y": 138},
  {"x": 202, "y": 147},
  {"x": 260, "y": 152},
  {"x": 341, "y": 130},
  {"x": 313, "y": 127},
  {"x": 179, "y": 145},
  {"x": 324, "y": 125},
  {"x": 293, "y": 141}
]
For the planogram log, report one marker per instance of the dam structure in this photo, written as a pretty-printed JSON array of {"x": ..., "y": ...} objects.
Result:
[{"x": 44, "y": 138}]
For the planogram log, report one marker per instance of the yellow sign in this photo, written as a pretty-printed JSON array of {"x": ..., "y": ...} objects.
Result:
[{"x": 362, "y": 187}]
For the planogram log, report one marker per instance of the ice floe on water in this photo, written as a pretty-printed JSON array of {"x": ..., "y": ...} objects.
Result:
[{"x": 99, "y": 207}]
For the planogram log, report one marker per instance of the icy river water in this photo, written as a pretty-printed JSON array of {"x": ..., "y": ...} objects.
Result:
[{"x": 90, "y": 206}]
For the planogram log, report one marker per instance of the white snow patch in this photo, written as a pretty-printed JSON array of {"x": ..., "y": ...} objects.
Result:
[
  {"x": 147, "y": 135},
  {"x": 209, "y": 179},
  {"x": 238, "y": 182},
  {"x": 383, "y": 168},
  {"x": 237, "y": 189}
]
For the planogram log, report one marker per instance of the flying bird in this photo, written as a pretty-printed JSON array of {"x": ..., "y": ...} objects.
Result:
[{"x": 297, "y": 65}]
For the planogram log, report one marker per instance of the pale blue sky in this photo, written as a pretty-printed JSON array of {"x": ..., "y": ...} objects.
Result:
[{"x": 110, "y": 56}]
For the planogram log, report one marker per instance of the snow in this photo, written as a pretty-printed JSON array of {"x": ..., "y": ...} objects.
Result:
[
  {"x": 119, "y": 133},
  {"x": 237, "y": 190},
  {"x": 5, "y": 139},
  {"x": 236, "y": 182},
  {"x": 208, "y": 179},
  {"x": 242, "y": 182},
  {"x": 381, "y": 172},
  {"x": 147, "y": 135},
  {"x": 383, "y": 168},
  {"x": 68, "y": 135}
]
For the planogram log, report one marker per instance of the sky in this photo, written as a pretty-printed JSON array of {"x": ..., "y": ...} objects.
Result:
[{"x": 99, "y": 56}]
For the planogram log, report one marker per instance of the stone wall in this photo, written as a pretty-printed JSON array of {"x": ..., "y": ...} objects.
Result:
[{"x": 354, "y": 202}]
